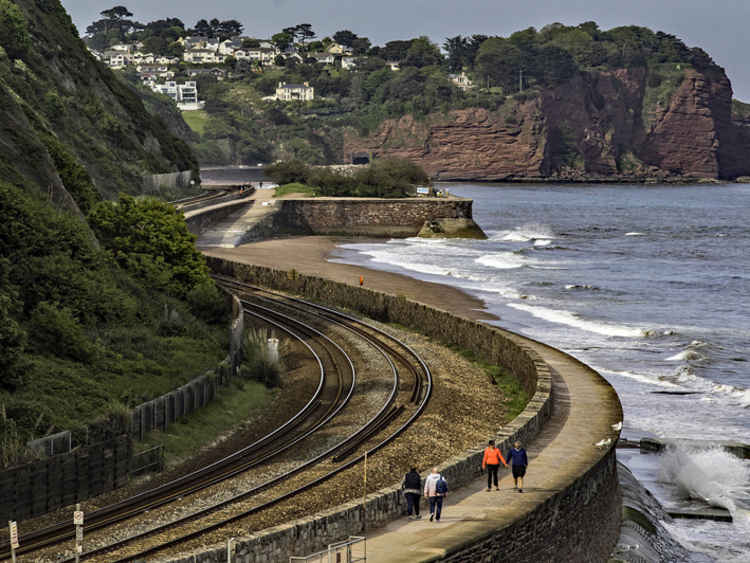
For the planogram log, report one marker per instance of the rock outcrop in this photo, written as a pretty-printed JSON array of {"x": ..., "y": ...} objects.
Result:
[{"x": 614, "y": 125}]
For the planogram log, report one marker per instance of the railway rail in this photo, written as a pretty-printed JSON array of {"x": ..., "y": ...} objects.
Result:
[{"x": 337, "y": 382}]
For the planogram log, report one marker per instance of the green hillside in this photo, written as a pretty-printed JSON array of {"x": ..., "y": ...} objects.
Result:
[
  {"x": 60, "y": 108},
  {"x": 102, "y": 304}
]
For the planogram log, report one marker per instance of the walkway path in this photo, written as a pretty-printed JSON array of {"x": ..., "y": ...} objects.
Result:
[{"x": 584, "y": 408}]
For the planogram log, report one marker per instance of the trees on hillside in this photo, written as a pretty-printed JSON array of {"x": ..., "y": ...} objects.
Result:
[
  {"x": 114, "y": 27},
  {"x": 216, "y": 29}
]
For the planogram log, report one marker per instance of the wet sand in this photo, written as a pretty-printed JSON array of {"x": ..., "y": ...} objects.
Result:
[{"x": 308, "y": 255}]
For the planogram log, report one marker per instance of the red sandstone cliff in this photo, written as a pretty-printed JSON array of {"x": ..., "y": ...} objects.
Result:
[{"x": 598, "y": 126}]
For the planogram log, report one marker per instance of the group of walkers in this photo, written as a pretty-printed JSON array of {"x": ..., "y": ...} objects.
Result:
[{"x": 436, "y": 487}]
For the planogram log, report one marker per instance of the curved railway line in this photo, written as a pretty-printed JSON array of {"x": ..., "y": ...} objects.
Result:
[{"x": 409, "y": 392}]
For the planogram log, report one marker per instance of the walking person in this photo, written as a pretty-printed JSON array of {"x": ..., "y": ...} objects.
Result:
[
  {"x": 518, "y": 462},
  {"x": 412, "y": 487},
  {"x": 435, "y": 489},
  {"x": 491, "y": 461}
]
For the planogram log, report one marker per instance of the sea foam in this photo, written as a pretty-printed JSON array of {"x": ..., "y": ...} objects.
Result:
[
  {"x": 572, "y": 319},
  {"x": 524, "y": 233},
  {"x": 709, "y": 474},
  {"x": 502, "y": 260}
]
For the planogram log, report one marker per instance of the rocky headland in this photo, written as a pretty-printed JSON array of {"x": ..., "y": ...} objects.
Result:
[{"x": 628, "y": 124}]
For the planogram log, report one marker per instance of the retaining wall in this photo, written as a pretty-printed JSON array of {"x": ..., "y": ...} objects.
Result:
[
  {"x": 365, "y": 216},
  {"x": 580, "y": 523},
  {"x": 169, "y": 180}
]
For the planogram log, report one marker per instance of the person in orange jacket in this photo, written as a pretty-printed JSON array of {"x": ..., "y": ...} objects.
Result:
[{"x": 491, "y": 461}]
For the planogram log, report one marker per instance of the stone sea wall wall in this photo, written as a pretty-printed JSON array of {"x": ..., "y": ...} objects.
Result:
[
  {"x": 200, "y": 220},
  {"x": 365, "y": 216},
  {"x": 580, "y": 522}
]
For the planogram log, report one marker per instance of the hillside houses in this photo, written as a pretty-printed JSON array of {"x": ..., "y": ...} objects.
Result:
[
  {"x": 185, "y": 95},
  {"x": 294, "y": 92}
]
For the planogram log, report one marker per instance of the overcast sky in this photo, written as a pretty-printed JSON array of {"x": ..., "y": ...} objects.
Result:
[{"x": 718, "y": 26}]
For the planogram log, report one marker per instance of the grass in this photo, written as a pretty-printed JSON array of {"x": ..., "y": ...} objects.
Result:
[
  {"x": 516, "y": 397},
  {"x": 295, "y": 188},
  {"x": 234, "y": 404},
  {"x": 196, "y": 119},
  {"x": 661, "y": 84}
]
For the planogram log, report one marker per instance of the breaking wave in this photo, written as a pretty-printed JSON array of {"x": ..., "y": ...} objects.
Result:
[
  {"x": 572, "y": 319},
  {"x": 525, "y": 233},
  {"x": 712, "y": 475},
  {"x": 502, "y": 260}
]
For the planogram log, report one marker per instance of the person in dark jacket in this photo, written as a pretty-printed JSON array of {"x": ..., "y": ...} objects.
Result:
[
  {"x": 412, "y": 487},
  {"x": 518, "y": 462}
]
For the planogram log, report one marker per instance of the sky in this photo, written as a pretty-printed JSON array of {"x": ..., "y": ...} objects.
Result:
[{"x": 717, "y": 26}]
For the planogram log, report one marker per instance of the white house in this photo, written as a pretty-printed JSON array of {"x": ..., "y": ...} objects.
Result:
[
  {"x": 229, "y": 46},
  {"x": 153, "y": 72},
  {"x": 324, "y": 58},
  {"x": 121, "y": 47},
  {"x": 348, "y": 63},
  {"x": 393, "y": 65},
  {"x": 338, "y": 49},
  {"x": 202, "y": 56},
  {"x": 143, "y": 58},
  {"x": 116, "y": 59},
  {"x": 185, "y": 95},
  {"x": 167, "y": 60},
  {"x": 295, "y": 92},
  {"x": 462, "y": 80}
]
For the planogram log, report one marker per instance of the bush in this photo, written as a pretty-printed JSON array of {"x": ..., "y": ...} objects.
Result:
[
  {"x": 289, "y": 172},
  {"x": 207, "y": 302},
  {"x": 149, "y": 238},
  {"x": 258, "y": 363},
  {"x": 389, "y": 177},
  {"x": 55, "y": 331},
  {"x": 14, "y": 35}
]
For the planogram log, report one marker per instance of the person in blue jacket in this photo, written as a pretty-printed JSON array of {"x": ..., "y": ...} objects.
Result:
[{"x": 518, "y": 462}]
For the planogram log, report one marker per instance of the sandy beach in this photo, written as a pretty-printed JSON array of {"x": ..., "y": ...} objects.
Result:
[{"x": 308, "y": 255}]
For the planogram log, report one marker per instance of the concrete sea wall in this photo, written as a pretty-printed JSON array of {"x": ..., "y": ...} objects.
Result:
[{"x": 578, "y": 523}]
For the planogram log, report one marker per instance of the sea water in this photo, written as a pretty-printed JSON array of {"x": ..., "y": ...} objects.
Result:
[{"x": 649, "y": 285}]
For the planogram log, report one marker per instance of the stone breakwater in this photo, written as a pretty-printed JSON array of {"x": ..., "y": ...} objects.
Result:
[
  {"x": 372, "y": 217},
  {"x": 584, "y": 516}
]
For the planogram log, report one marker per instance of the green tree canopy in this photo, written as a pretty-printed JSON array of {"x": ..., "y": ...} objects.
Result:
[{"x": 149, "y": 238}]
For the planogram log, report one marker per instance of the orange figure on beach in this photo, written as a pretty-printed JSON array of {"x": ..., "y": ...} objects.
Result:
[{"x": 361, "y": 281}]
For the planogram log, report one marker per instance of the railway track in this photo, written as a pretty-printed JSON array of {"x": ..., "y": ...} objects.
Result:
[
  {"x": 338, "y": 380},
  {"x": 199, "y": 198}
]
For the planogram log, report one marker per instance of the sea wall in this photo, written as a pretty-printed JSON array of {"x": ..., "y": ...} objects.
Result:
[
  {"x": 580, "y": 522},
  {"x": 364, "y": 216},
  {"x": 202, "y": 219}
]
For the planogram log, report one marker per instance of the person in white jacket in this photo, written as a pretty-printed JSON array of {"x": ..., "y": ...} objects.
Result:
[{"x": 435, "y": 489}]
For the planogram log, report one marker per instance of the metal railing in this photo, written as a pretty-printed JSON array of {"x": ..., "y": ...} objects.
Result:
[{"x": 351, "y": 550}]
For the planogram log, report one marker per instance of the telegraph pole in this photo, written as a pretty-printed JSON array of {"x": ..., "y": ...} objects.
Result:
[{"x": 520, "y": 80}]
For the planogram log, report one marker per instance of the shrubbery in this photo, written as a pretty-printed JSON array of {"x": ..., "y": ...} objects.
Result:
[
  {"x": 78, "y": 331},
  {"x": 258, "y": 363},
  {"x": 388, "y": 177}
]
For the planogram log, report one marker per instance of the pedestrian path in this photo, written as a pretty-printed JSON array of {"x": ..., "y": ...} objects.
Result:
[{"x": 584, "y": 408}]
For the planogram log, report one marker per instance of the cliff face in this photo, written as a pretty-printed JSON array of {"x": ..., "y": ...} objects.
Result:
[
  {"x": 625, "y": 124},
  {"x": 68, "y": 123}
]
